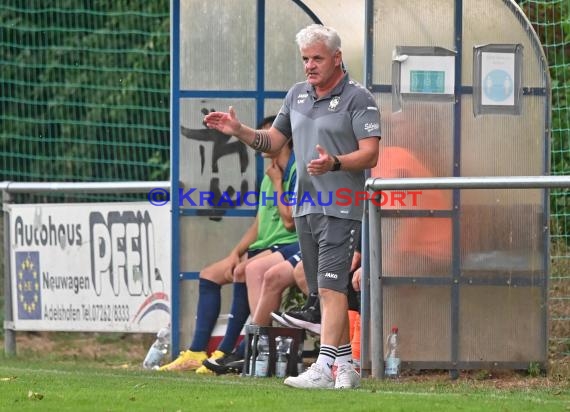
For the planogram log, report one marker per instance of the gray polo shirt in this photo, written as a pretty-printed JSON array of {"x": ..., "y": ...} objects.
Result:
[{"x": 336, "y": 122}]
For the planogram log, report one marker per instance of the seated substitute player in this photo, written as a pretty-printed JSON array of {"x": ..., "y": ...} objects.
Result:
[{"x": 272, "y": 232}]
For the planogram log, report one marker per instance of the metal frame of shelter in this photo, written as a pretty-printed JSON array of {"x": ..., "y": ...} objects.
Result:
[
  {"x": 381, "y": 90},
  {"x": 375, "y": 324}
]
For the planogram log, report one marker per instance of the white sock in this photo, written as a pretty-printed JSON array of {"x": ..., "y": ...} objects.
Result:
[
  {"x": 344, "y": 355},
  {"x": 327, "y": 355}
]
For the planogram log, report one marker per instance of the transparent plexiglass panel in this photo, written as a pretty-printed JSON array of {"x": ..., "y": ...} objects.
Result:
[
  {"x": 492, "y": 22},
  {"x": 425, "y": 129},
  {"x": 217, "y": 44},
  {"x": 272, "y": 106},
  {"x": 501, "y": 324},
  {"x": 423, "y": 317},
  {"x": 211, "y": 162},
  {"x": 199, "y": 234},
  {"x": 503, "y": 236},
  {"x": 416, "y": 246},
  {"x": 283, "y": 65},
  {"x": 409, "y": 23},
  {"x": 503, "y": 145}
]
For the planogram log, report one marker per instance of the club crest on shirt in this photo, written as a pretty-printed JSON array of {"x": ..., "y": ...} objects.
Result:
[{"x": 334, "y": 103}]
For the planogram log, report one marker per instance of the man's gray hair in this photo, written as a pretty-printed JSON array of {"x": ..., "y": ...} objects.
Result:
[{"x": 317, "y": 33}]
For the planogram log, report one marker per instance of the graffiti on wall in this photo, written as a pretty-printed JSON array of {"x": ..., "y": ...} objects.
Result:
[{"x": 212, "y": 165}]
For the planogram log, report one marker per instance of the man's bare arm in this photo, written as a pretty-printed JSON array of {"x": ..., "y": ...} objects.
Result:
[{"x": 268, "y": 141}]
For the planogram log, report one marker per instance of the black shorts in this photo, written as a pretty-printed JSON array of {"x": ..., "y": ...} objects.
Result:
[
  {"x": 288, "y": 251},
  {"x": 327, "y": 244}
]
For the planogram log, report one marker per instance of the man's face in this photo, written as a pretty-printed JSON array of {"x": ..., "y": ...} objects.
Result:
[{"x": 319, "y": 63}]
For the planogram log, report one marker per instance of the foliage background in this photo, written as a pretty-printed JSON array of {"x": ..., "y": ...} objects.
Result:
[{"x": 85, "y": 90}]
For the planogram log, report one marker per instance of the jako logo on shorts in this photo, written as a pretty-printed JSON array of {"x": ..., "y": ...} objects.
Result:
[{"x": 330, "y": 275}]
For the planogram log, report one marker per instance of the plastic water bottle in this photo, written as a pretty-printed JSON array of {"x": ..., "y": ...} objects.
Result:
[
  {"x": 282, "y": 346},
  {"x": 262, "y": 359},
  {"x": 300, "y": 364},
  {"x": 253, "y": 353},
  {"x": 158, "y": 349},
  {"x": 392, "y": 359}
]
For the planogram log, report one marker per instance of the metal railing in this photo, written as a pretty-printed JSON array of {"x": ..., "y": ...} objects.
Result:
[{"x": 81, "y": 187}]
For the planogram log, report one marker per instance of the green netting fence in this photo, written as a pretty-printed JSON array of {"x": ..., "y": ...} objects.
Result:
[
  {"x": 84, "y": 90},
  {"x": 551, "y": 21},
  {"x": 84, "y": 96}
]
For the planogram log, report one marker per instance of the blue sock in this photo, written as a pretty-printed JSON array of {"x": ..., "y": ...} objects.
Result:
[
  {"x": 238, "y": 316},
  {"x": 209, "y": 300}
]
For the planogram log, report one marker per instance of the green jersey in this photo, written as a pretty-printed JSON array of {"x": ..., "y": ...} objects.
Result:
[{"x": 271, "y": 230}]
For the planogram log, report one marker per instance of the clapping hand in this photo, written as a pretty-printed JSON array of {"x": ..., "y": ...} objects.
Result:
[{"x": 322, "y": 164}]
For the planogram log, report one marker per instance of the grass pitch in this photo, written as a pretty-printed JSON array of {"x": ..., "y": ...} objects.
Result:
[{"x": 79, "y": 385}]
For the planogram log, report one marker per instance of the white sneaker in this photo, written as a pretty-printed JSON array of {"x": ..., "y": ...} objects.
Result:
[
  {"x": 314, "y": 377},
  {"x": 346, "y": 377}
]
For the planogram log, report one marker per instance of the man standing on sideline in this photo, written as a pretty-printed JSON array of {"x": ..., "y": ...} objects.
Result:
[{"x": 335, "y": 126}]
